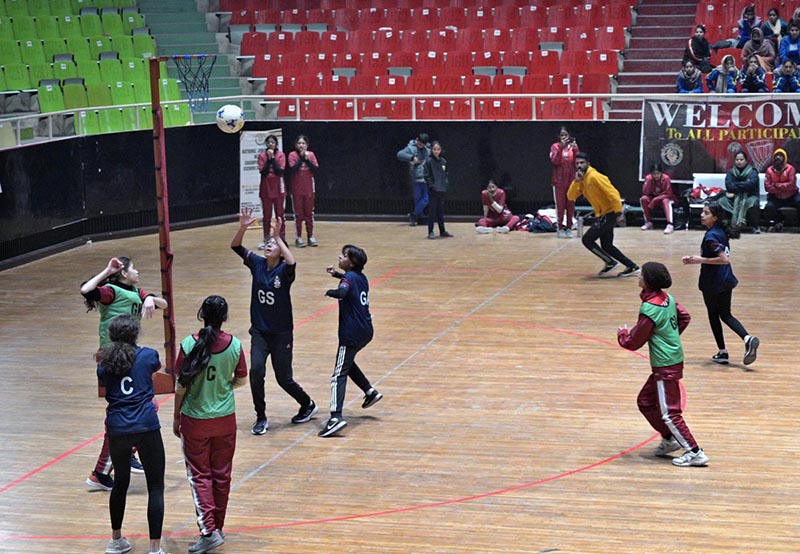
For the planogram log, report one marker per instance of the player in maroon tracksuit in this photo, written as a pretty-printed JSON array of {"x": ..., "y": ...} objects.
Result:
[
  {"x": 495, "y": 212},
  {"x": 272, "y": 190},
  {"x": 562, "y": 156},
  {"x": 302, "y": 166}
]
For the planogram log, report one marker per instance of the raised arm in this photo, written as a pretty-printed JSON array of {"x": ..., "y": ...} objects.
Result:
[
  {"x": 245, "y": 220},
  {"x": 113, "y": 266},
  {"x": 275, "y": 233}
]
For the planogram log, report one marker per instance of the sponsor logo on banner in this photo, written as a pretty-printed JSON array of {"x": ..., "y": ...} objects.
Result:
[{"x": 689, "y": 137}]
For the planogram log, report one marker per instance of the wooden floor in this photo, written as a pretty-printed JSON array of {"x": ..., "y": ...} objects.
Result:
[{"x": 509, "y": 422}]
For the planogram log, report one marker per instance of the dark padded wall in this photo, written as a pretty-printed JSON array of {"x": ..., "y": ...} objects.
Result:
[{"x": 69, "y": 189}]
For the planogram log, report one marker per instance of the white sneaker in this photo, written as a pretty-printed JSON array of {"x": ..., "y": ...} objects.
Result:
[
  {"x": 666, "y": 446},
  {"x": 560, "y": 234},
  {"x": 750, "y": 350},
  {"x": 312, "y": 241},
  {"x": 568, "y": 234},
  {"x": 691, "y": 459},
  {"x": 669, "y": 229},
  {"x": 504, "y": 229},
  {"x": 206, "y": 543},
  {"x": 299, "y": 243},
  {"x": 647, "y": 226},
  {"x": 483, "y": 230},
  {"x": 118, "y": 546}
]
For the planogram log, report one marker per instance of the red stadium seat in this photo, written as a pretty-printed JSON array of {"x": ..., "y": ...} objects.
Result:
[
  {"x": 497, "y": 40},
  {"x": 307, "y": 84},
  {"x": 525, "y": 39},
  {"x": 279, "y": 85},
  {"x": 532, "y": 16},
  {"x": 345, "y": 18},
  {"x": 506, "y": 84},
  {"x": 604, "y": 61},
  {"x": 253, "y": 44},
  {"x": 553, "y": 34},
  {"x": 506, "y": 16},
  {"x": 430, "y": 63},
  {"x": 561, "y": 15},
  {"x": 452, "y": 16},
  {"x": 425, "y": 18},
  {"x": 536, "y": 84},
  {"x": 477, "y": 84},
  {"x": 295, "y": 15},
  {"x": 518, "y": 58},
  {"x": 470, "y": 39},
  {"x": 319, "y": 64},
  {"x": 360, "y": 40},
  {"x": 391, "y": 84},
  {"x": 266, "y": 66},
  {"x": 448, "y": 84},
  {"x": 544, "y": 62},
  {"x": 584, "y": 108},
  {"x": 555, "y": 108},
  {"x": 442, "y": 40},
  {"x": 374, "y": 63},
  {"x": 459, "y": 62},
  {"x": 333, "y": 42},
  {"x": 413, "y": 41},
  {"x": 610, "y": 37},
  {"x": 307, "y": 41},
  {"x": 488, "y": 59},
  {"x": 243, "y": 17},
  {"x": 574, "y": 61},
  {"x": 434, "y": 108},
  {"x": 293, "y": 63},
  {"x": 280, "y": 43},
  {"x": 595, "y": 83},
  {"x": 334, "y": 84},
  {"x": 362, "y": 84},
  {"x": 347, "y": 60},
  {"x": 327, "y": 109},
  {"x": 419, "y": 84},
  {"x": 372, "y": 18},
  {"x": 565, "y": 84},
  {"x": 399, "y": 18},
  {"x": 493, "y": 108},
  {"x": 402, "y": 59},
  {"x": 581, "y": 39},
  {"x": 479, "y": 17}
]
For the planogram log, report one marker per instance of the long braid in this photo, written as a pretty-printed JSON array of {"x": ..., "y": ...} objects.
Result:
[{"x": 213, "y": 313}]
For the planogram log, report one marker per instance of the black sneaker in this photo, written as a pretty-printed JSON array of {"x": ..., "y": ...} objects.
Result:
[
  {"x": 260, "y": 427},
  {"x": 334, "y": 425},
  {"x": 305, "y": 413},
  {"x": 100, "y": 481},
  {"x": 412, "y": 219},
  {"x": 750, "y": 349},
  {"x": 608, "y": 268},
  {"x": 720, "y": 358},
  {"x": 372, "y": 397},
  {"x": 629, "y": 271},
  {"x": 136, "y": 465}
]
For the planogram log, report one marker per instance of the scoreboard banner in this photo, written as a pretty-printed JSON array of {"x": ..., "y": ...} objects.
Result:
[
  {"x": 251, "y": 144},
  {"x": 703, "y": 136}
]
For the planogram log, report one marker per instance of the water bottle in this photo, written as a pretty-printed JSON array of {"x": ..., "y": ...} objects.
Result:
[{"x": 580, "y": 226}]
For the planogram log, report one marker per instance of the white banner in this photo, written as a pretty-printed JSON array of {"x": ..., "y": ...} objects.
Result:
[{"x": 251, "y": 143}]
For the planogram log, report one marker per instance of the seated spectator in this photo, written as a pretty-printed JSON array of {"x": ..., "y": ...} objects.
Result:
[
  {"x": 753, "y": 78},
  {"x": 786, "y": 78},
  {"x": 724, "y": 76},
  {"x": 495, "y": 212},
  {"x": 775, "y": 28},
  {"x": 790, "y": 45},
  {"x": 741, "y": 193},
  {"x": 698, "y": 50},
  {"x": 760, "y": 48},
  {"x": 780, "y": 183},
  {"x": 746, "y": 24},
  {"x": 795, "y": 15},
  {"x": 657, "y": 193},
  {"x": 689, "y": 79}
]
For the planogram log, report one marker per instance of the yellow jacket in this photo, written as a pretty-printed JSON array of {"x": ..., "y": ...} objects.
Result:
[{"x": 598, "y": 190}]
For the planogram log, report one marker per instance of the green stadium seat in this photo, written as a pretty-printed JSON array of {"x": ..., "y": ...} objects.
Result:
[
  {"x": 64, "y": 70},
  {"x": 6, "y": 29},
  {"x": 145, "y": 117},
  {"x": 47, "y": 27},
  {"x": 79, "y": 46},
  {"x": 39, "y": 8},
  {"x": 110, "y": 70},
  {"x": 122, "y": 93},
  {"x": 51, "y": 99},
  {"x": 90, "y": 71},
  {"x": 141, "y": 91},
  {"x": 111, "y": 120},
  {"x": 32, "y": 51},
  {"x": 53, "y": 46},
  {"x": 61, "y": 7},
  {"x": 70, "y": 26},
  {"x": 16, "y": 7},
  {"x": 75, "y": 96},
  {"x": 2, "y": 9},
  {"x": 131, "y": 21},
  {"x": 124, "y": 3},
  {"x": 177, "y": 115},
  {"x": 17, "y": 77},
  {"x": 135, "y": 69},
  {"x": 24, "y": 27},
  {"x": 99, "y": 44},
  {"x": 78, "y": 5},
  {"x": 40, "y": 71},
  {"x": 169, "y": 90},
  {"x": 86, "y": 123},
  {"x": 99, "y": 94},
  {"x": 112, "y": 23},
  {"x": 124, "y": 45},
  {"x": 144, "y": 46},
  {"x": 91, "y": 25},
  {"x": 9, "y": 52}
]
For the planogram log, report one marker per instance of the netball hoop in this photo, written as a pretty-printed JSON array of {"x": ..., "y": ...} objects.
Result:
[{"x": 195, "y": 71}]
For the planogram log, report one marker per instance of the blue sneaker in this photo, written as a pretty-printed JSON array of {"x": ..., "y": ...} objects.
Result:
[
  {"x": 100, "y": 481},
  {"x": 136, "y": 465}
]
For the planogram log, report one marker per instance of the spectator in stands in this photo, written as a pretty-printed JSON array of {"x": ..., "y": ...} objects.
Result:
[
  {"x": 753, "y": 78},
  {"x": 795, "y": 15},
  {"x": 760, "y": 48},
  {"x": 790, "y": 45},
  {"x": 416, "y": 153},
  {"x": 746, "y": 24},
  {"x": 724, "y": 77},
  {"x": 775, "y": 28},
  {"x": 496, "y": 214},
  {"x": 689, "y": 79},
  {"x": 607, "y": 205},
  {"x": 780, "y": 183},
  {"x": 786, "y": 79},
  {"x": 657, "y": 193},
  {"x": 562, "y": 157},
  {"x": 741, "y": 193},
  {"x": 437, "y": 181},
  {"x": 698, "y": 50}
]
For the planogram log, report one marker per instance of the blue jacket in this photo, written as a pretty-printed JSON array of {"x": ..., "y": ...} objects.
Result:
[
  {"x": 685, "y": 86},
  {"x": 756, "y": 82},
  {"x": 786, "y": 83},
  {"x": 423, "y": 155},
  {"x": 742, "y": 184},
  {"x": 730, "y": 80},
  {"x": 789, "y": 50}
]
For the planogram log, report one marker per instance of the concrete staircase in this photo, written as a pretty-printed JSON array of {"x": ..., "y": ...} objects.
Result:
[
  {"x": 653, "y": 57},
  {"x": 178, "y": 28}
]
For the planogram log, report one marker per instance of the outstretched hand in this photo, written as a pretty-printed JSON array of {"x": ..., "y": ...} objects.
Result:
[
  {"x": 246, "y": 218},
  {"x": 330, "y": 270},
  {"x": 275, "y": 227},
  {"x": 114, "y": 265}
]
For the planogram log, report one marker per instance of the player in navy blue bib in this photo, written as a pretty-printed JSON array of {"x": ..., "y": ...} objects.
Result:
[
  {"x": 355, "y": 332},
  {"x": 126, "y": 370},
  {"x": 717, "y": 282},
  {"x": 272, "y": 326}
]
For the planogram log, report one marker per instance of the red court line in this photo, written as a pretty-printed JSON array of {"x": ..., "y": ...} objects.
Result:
[{"x": 87, "y": 442}]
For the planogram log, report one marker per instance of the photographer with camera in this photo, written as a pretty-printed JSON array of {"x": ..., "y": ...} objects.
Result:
[{"x": 562, "y": 156}]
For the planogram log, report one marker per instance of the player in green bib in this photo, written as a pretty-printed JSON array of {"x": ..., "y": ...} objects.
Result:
[
  {"x": 114, "y": 292},
  {"x": 661, "y": 322},
  {"x": 211, "y": 365}
]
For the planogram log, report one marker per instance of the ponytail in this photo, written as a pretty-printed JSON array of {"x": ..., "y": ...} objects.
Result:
[
  {"x": 212, "y": 313},
  {"x": 117, "y": 358}
]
